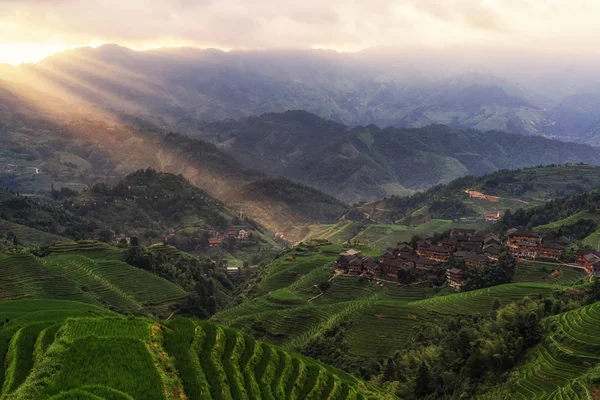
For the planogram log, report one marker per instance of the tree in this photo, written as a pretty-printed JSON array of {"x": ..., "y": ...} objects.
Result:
[
  {"x": 496, "y": 305},
  {"x": 211, "y": 305},
  {"x": 134, "y": 241},
  {"x": 389, "y": 371},
  {"x": 422, "y": 380}
]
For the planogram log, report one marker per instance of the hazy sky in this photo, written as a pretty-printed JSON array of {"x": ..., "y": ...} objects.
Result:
[{"x": 33, "y": 29}]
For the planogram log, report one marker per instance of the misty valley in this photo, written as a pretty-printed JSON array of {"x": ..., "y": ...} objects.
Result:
[{"x": 298, "y": 200}]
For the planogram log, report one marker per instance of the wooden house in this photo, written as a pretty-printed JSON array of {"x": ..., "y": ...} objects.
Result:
[
  {"x": 473, "y": 260},
  {"x": 491, "y": 215},
  {"x": 450, "y": 244},
  {"x": 526, "y": 250},
  {"x": 355, "y": 266},
  {"x": 462, "y": 232},
  {"x": 436, "y": 253},
  {"x": 455, "y": 278},
  {"x": 517, "y": 237},
  {"x": 550, "y": 250},
  {"x": 390, "y": 267}
]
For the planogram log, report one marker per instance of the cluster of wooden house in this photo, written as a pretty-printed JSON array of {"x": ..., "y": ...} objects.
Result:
[
  {"x": 589, "y": 260},
  {"x": 427, "y": 261},
  {"x": 532, "y": 245},
  {"x": 217, "y": 238}
]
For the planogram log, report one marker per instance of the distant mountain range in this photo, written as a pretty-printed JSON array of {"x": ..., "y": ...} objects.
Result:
[
  {"x": 367, "y": 163},
  {"x": 176, "y": 87}
]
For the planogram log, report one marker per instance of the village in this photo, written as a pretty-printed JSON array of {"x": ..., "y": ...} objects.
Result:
[{"x": 426, "y": 261}]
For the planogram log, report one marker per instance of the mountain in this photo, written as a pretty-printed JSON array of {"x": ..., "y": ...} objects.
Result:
[
  {"x": 501, "y": 190},
  {"x": 575, "y": 114},
  {"x": 170, "y": 87},
  {"x": 76, "y": 150},
  {"x": 367, "y": 163}
]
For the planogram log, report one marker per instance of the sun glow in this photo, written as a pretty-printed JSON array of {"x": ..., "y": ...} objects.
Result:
[{"x": 26, "y": 52}]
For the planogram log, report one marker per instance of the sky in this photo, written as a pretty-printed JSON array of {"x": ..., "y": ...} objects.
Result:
[{"x": 31, "y": 30}]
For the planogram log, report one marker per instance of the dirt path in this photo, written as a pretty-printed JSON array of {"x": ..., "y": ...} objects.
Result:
[{"x": 317, "y": 296}]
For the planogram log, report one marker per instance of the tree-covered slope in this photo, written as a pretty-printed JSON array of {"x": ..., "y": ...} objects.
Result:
[
  {"x": 82, "y": 352},
  {"x": 77, "y": 151},
  {"x": 367, "y": 162},
  {"x": 506, "y": 189}
]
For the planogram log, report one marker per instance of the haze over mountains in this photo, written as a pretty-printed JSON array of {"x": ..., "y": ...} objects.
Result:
[
  {"x": 90, "y": 115},
  {"x": 172, "y": 87}
]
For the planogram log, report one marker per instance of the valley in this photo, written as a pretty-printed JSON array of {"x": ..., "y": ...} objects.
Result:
[{"x": 283, "y": 221}]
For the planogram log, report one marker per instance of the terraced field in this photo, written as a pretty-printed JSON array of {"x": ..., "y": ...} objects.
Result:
[
  {"x": 84, "y": 352},
  {"x": 88, "y": 272},
  {"x": 382, "y": 236},
  {"x": 29, "y": 236},
  {"x": 535, "y": 271},
  {"x": 565, "y": 364},
  {"x": 288, "y": 309}
]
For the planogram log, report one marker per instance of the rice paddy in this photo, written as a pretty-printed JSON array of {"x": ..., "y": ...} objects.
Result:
[{"x": 105, "y": 356}]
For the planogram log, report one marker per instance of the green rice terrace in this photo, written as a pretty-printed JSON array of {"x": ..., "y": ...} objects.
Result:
[
  {"x": 565, "y": 364},
  {"x": 381, "y": 236},
  {"x": 90, "y": 272},
  {"x": 287, "y": 307},
  {"x": 57, "y": 349}
]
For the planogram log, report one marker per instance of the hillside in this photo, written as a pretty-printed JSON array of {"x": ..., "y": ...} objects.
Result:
[
  {"x": 88, "y": 272},
  {"x": 564, "y": 364},
  {"x": 65, "y": 355},
  {"x": 367, "y": 163},
  {"x": 285, "y": 305},
  {"x": 505, "y": 190},
  {"x": 180, "y": 86},
  {"x": 75, "y": 151}
]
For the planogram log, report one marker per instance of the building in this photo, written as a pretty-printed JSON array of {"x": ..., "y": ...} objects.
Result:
[
  {"x": 436, "y": 253},
  {"x": 590, "y": 260},
  {"x": 350, "y": 252},
  {"x": 369, "y": 264},
  {"x": 462, "y": 232},
  {"x": 426, "y": 265},
  {"x": 492, "y": 251},
  {"x": 491, "y": 216},
  {"x": 450, "y": 244},
  {"x": 550, "y": 250},
  {"x": 455, "y": 278},
  {"x": 390, "y": 267},
  {"x": 232, "y": 232},
  {"x": 516, "y": 237},
  {"x": 490, "y": 238},
  {"x": 473, "y": 260},
  {"x": 215, "y": 241},
  {"x": 526, "y": 250},
  {"x": 404, "y": 249},
  {"x": 355, "y": 266}
]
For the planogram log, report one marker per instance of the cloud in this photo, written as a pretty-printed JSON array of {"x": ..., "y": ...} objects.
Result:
[{"x": 341, "y": 24}]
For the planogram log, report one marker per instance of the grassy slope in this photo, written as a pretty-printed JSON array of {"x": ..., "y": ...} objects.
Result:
[
  {"x": 564, "y": 365},
  {"x": 90, "y": 272},
  {"x": 83, "y": 352},
  {"x": 381, "y": 236},
  {"x": 29, "y": 236},
  {"x": 279, "y": 311},
  {"x": 516, "y": 189}
]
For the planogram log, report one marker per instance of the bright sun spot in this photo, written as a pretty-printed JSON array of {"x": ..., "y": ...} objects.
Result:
[{"x": 18, "y": 53}]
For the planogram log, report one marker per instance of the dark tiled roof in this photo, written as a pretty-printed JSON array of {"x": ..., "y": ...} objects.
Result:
[
  {"x": 437, "y": 249},
  {"x": 552, "y": 245},
  {"x": 475, "y": 257},
  {"x": 524, "y": 233},
  {"x": 455, "y": 271},
  {"x": 354, "y": 261}
]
